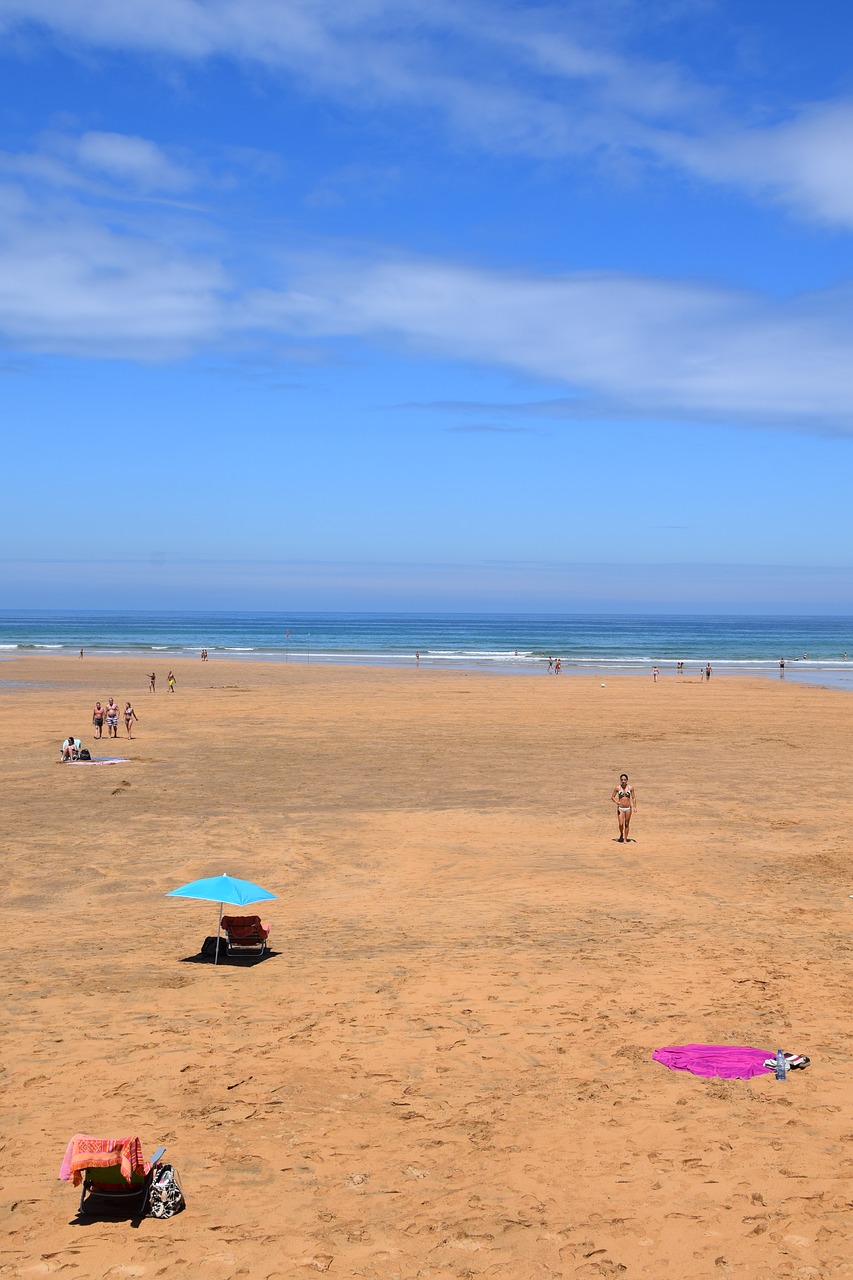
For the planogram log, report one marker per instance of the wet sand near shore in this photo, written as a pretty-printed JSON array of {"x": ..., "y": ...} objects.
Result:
[{"x": 443, "y": 1069}]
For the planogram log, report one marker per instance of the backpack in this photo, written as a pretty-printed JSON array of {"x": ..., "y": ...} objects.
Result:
[
  {"x": 84, "y": 754},
  {"x": 165, "y": 1197}
]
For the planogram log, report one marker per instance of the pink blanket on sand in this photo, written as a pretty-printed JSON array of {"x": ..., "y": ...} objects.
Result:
[{"x": 715, "y": 1060}]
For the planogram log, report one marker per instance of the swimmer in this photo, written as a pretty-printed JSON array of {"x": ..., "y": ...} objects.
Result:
[{"x": 625, "y": 799}]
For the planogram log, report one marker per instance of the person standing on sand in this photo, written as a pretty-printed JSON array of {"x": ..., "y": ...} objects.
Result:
[
  {"x": 152, "y": 682},
  {"x": 129, "y": 717},
  {"x": 81, "y": 653},
  {"x": 98, "y": 719},
  {"x": 171, "y": 680},
  {"x": 782, "y": 668},
  {"x": 557, "y": 666},
  {"x": 625, "y": 799},
  {"x": 655, "y": 674},
  {"x": 417, "y": 658},
  {"x": 708, "y": 671},
  {"x": 112, "y": 719},
  {"x": 550, "y": 664}
]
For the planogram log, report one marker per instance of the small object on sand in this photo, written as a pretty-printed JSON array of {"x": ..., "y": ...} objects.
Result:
[{"x": 603, "y": 686}]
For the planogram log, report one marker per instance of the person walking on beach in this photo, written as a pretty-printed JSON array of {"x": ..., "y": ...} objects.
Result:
[
  {"x": 417, "y": 658},
  {"x": 129, "y": 717},
  {"x": 98, "y": 719},
  {"x": 171, "y": 680},
  {"x": 550, "y": 664},
  {"x": 655, "y": 674},
  {"x": 152, "y": 682},
  {"x": 625, "y": 798},
  {"x": 112, "y": 719},
  {"x": 557, "y": 666},
  {"x": 81, "y": 653},
  {"x": 708, "y": 671},
  {"x": 781, "y": 668}
]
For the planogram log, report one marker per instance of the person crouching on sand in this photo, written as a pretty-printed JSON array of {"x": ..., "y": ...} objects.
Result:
[{"x": 625, "y": 799}]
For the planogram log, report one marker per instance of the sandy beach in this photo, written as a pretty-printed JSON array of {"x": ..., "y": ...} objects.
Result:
[{"x": 444, "y": 1067}]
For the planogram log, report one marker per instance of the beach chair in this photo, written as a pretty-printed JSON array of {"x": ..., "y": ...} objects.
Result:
[
  {"x": 245, "y": 935},
  {"x": 112, "y": 1172}
]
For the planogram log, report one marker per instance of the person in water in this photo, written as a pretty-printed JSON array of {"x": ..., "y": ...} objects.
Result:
[{"x": 625, "y": 799}]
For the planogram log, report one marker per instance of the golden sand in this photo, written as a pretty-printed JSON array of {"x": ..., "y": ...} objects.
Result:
[{"x": 444, "y": 1069}]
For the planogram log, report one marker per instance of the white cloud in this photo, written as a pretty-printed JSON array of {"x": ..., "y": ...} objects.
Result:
[
  {"x": 510, "y": 78},
  {"x": 72, "y": 285},
  {"x": 629, "y": 345},
  {"x": 131, "y": 159},
  {"x": 76, "y": 281}
]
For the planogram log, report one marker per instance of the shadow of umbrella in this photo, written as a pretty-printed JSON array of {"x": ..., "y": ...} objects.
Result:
[{"x": 227, "y": 891}]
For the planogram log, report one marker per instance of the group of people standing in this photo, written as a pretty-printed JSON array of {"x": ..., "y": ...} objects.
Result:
[
  {"x": 152, "y": 682},
  {"x": 108, "y": 714}
]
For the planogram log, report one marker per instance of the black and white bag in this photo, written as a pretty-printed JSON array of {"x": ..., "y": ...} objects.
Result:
[{"x": 165, "y": 1197}]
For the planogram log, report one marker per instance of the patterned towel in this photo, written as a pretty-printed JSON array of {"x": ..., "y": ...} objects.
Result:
[{"x": 102, "y": 1153}]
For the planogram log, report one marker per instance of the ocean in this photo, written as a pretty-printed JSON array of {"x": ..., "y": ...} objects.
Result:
[{"x": 814, "y": 648}]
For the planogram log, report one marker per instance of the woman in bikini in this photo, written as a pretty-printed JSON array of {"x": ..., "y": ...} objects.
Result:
[
  {"x": 129, "y": 717},
  {"x": 625, "y": 798}
]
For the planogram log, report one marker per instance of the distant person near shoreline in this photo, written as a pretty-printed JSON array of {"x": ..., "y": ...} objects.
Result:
[
  {"x": 625, "y": 799},
  {"x": 655, "y": 674},
  {"x": 171, "y": 682},
  {"x": 782, "y": 668},
  {"x": 152, "y": 682},
  {"x": 708, "y": 671}
]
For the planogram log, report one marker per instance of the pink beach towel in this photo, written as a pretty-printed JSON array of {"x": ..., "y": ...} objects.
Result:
[
  {"x": 85, "y": 1152},
  {"x": 720, "y": 1060}
]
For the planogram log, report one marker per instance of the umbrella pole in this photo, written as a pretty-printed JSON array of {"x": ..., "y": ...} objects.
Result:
[{"x": 218, "y": 932}]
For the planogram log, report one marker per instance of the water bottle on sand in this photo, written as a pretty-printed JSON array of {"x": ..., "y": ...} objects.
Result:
[{"x": 781, "y": 1066}]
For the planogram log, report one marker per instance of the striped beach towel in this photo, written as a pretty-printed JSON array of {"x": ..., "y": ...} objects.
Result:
[{"x": 102, "y": 1153}]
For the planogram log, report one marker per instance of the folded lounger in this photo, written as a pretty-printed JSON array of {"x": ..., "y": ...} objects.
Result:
[
  {"x": 245, "y": 935},
  {"x": 112, "y": 1172}
]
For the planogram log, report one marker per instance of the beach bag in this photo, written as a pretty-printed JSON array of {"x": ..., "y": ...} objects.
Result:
[
  {"x": 165, "y": 1197},
  {"x": 84, "y": 754}
]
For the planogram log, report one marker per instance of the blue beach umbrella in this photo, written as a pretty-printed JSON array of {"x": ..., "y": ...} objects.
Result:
[{"x": 222, "y": 889}]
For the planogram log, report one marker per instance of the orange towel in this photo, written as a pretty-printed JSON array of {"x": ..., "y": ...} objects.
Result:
[
  {"x": 102, "y": 1153},
  {"x": 245, "y": 928}
]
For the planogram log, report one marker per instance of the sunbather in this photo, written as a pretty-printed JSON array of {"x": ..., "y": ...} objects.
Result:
[{"x": 69, "y": 748}]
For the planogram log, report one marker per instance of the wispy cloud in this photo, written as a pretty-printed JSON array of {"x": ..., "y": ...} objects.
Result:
[
  {"x": 77, "y": 277},
  {"x": 506, "y": 77}
]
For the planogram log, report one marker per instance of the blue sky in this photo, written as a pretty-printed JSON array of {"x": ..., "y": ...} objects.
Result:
[{"x": 378, "y": 305}]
